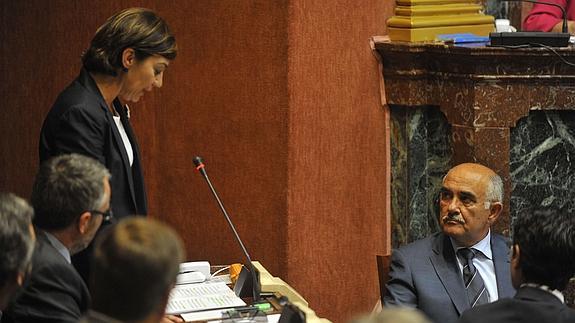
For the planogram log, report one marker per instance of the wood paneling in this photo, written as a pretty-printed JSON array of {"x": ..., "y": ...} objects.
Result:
[
  {"x": 281, "y": 100},
  {"x": 337, "y": 155}
]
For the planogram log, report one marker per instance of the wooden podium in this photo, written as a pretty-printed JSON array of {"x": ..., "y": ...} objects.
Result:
[
  {"x": 274, "y": 292},
  {"x": 276, "y": 285}
]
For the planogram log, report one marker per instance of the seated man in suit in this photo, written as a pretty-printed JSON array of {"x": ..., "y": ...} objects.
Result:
[
  {"x": 464, "y": 265},
  {"x": 134, "y": 269},
  {"x": 542, "y": 262},
  {"x": 71, "y": 197},
  {"x": 16, "y": 244}
]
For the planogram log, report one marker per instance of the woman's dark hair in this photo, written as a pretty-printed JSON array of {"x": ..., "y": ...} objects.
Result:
[{"x": 137, "y": 28}]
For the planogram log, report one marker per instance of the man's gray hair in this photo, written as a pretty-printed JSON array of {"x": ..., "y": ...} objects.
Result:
[
  {"x": 16, "y": 243},
  {"x": 67, "y": 186},
  {"x": 494, "y": 191}
]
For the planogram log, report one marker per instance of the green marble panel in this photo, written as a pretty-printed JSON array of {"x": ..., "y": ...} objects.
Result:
[
  {"x": 420, "y": 157},
  {"x": 542, "y": 161}
]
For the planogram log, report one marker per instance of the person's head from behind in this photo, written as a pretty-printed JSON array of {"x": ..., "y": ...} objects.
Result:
[
  {"x": 71, "y": 196},
  {"x": 470, "y": 202},
  {"x": 543, "y": 249},
  {"x": 395, "y": 315},
  {"x": 134, "y": 268},
  {"x": 16, "y": 244},
  {"x": 135, "y": 46}
]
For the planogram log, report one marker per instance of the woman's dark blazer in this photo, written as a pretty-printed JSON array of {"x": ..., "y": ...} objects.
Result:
[{"x": 80, "y": 122}]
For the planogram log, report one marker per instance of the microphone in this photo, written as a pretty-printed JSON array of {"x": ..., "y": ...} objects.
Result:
[
  {"x": 551, "y": 39},
  {"x": 256, "y": 288}
]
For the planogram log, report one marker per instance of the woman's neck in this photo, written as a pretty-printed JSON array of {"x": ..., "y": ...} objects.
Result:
[{"x": 109, "y": 87}]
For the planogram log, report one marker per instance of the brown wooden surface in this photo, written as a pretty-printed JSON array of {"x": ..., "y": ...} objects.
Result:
[
  {"x": 281, "y": 100},
  {"x": 383, "y": 264}
]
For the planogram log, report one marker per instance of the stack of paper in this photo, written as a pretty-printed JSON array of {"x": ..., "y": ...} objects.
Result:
[{"x": 201, "y": 297}]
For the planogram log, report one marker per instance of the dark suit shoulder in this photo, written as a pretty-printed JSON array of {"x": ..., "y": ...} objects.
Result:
[
  {"x": 76, "y": 96},
  {"x": 76, "y": 123},
  {"x": 53, "y": 292},
  {"x": 498, "y": 238},
  {"x": 519, "y": 310},
  {"x": 477, "y": 314},
  {"x": 422, "y": 246},
  {"x": 51, "y": 268},
  {"x": 48, "y": 261}
]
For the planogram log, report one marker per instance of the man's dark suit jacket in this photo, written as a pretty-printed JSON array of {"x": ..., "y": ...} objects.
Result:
[
  {"x": 53, "y": 291},
  {"x": 424, "y": 274},
  {"x": 95, "y": 317},
  {"x": 530, "y": 305},
  {"x": 80, "y": 122}
]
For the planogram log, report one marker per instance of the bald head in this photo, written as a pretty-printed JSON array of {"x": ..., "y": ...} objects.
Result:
[
  {"x": 472, "y": 167},
  {"x": 470, "y": 202},
  {"x": 484, "y": 174}
]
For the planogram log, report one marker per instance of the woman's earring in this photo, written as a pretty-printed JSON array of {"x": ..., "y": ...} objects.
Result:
[{"x": 124, "y": 69}]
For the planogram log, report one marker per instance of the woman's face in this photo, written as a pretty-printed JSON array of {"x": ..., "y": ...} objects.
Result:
[{"x": 142, "y": 76}]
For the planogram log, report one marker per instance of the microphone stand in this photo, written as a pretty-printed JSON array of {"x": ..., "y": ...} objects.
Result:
[{"x": 255, "y": 282}]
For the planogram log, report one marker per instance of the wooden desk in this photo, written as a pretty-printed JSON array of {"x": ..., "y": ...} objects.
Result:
[
  {"x": 271, "y": 284},
  {"x": 275, "y": 288}
]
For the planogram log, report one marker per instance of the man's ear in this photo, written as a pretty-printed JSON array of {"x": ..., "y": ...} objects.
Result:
[
  {"x": 128, "y": 57},
  {"x": 494, "y": 211},
  {"x": 515, "y": 254},
  {"x": 515, "y": 266},
  {"x": 84, "y": 222},
  {"x": 20, "y": 278},
  {"x": 161, "y": 311}
]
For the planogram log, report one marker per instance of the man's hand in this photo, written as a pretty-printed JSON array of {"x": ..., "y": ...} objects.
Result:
[
  {"x": 172, "y": 319},
  {"x": 570, "y": 27}
]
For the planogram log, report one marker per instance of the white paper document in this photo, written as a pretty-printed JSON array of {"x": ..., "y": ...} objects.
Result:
[{"x": 201, "y": 297}]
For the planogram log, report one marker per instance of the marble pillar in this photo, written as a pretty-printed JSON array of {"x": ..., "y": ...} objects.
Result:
[
  {"x": 542, "y": 162},
  {"x": 420, "y": 156}
]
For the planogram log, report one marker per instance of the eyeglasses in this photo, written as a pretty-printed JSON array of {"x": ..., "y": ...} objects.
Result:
[{"x": 108, "y": 215}]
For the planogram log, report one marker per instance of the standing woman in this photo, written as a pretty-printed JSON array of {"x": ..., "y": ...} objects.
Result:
[{"x": 127, "y": 57}]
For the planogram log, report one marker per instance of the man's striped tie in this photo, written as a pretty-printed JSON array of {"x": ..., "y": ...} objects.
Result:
[{"x": 476, "y": 292}]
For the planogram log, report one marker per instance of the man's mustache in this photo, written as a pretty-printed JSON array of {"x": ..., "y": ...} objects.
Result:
[{"x": 453, "y": 216}]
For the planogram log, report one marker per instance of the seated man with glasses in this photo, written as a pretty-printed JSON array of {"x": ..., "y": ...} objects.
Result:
[{"x": 71, "y": 195}]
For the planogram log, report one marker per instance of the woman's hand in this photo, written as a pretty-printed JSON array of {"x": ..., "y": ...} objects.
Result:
[{"x": 172, "y": 319}]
